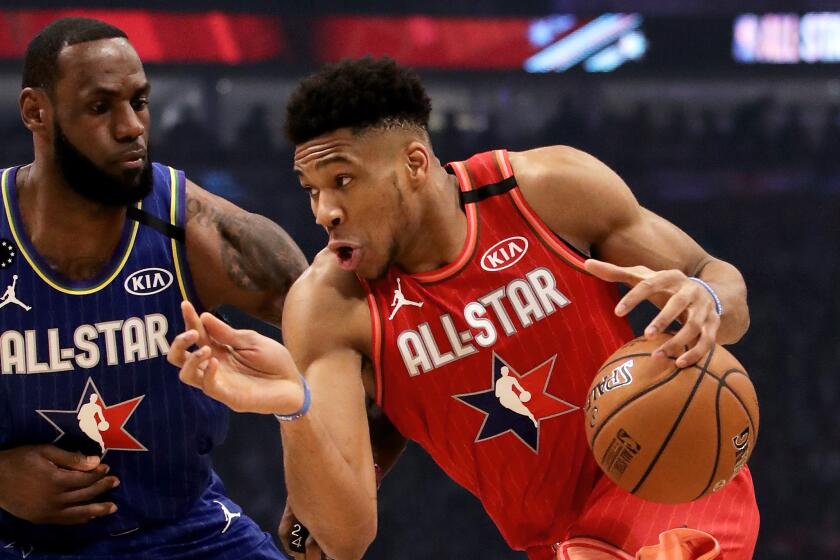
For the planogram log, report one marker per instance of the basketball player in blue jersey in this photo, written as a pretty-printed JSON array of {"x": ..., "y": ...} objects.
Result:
[{"x": 103, "y": 452}]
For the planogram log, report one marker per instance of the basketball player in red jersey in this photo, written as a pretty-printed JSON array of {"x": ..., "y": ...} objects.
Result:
[{"x": 440, "y": 283}]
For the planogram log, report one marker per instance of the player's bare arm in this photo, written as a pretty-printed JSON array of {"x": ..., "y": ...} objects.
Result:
[
  {"x": 249, "y": 372},
  {"x": 337, "y": 503},
  {"x": 591, "y": 207},
  {"x": 239, "y": 258},
  {"x": 388, "y": 445}
]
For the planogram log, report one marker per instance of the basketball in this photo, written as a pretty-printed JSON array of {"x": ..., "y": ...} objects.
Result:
[
  {"x": 524, "y": 396},
  {"x": 667, "y": 434},
  {"x": 103, "y": 426}
]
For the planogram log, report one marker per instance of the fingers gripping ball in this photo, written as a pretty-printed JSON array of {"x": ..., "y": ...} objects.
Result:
[
  {"x": 524, "y": 396},
  {"x": 103, "y": 426},
  {"x": 668, "y": 434}
]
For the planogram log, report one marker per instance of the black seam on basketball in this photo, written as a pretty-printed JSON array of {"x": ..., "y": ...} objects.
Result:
[
  {"x": 676, "y": 423},
  {"x": 727, "y": 373},
  {"x": 722, "y": 381},
  {"x": 746, "y": 411},
  {"x": 634, "y": 398},
  {"x": 717, "y": 448}
]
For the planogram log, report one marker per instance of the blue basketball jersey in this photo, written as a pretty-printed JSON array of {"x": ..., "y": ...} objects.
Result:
[{"x": 83, "y": 365}]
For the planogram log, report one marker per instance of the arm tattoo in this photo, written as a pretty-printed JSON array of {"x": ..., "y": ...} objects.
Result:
[{"x": 257, "y": 254}]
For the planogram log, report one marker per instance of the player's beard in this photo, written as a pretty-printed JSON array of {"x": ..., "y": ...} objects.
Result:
[{"x": 90, "y": 181}]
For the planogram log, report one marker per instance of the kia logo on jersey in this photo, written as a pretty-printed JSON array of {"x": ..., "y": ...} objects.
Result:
[
  {"x": 504, "y": 254},
  {"x": 148, "y": 281}
]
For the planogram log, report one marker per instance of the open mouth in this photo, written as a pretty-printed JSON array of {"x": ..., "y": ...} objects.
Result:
[
  {"x": 348, "y": 255},
  {"x": 345, "y": 254}
]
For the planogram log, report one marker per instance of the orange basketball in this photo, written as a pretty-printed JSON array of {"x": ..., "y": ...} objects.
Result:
[{"x": 667, "y": 434}]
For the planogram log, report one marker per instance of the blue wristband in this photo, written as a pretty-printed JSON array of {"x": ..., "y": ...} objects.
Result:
[
  {"x": 304, "y": 408},
  {"x": 718, "y": 304}
]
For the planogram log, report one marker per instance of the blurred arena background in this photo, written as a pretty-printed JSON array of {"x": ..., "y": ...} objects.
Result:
[{"x": 724, "y": 118}]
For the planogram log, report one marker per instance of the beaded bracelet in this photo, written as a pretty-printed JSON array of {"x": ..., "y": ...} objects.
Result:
[
  {"x": 718, "y": 304},
  {"x": 304, "y": 408}
]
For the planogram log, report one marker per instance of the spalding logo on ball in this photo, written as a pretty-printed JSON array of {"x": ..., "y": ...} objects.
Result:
[{"x": 668, "y": 434}]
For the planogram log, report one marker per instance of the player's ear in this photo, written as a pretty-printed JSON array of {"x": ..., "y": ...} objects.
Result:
[
  {"x": 33, "y": 108},
  {"x": 417, "y": 159}
]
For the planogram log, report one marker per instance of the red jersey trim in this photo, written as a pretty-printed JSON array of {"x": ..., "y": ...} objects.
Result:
[
  {"x": 563, "y": 250},
  {"x": 375, "y": 340},
  {"x": 472, "y": 235},
  {"x": 504, "y": 163}
]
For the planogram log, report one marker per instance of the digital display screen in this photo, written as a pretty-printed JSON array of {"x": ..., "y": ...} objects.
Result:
[
  {"x": 787, "y": 38},
  {"x": 171, "y": 37},
  {"x": 613, "y": 42},
  {"x": 551, "y": 44}
]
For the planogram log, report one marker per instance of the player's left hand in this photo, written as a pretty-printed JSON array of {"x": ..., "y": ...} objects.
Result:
[
  {"x": 678, "y": 299},
  {"x": 240, "y": 368}
]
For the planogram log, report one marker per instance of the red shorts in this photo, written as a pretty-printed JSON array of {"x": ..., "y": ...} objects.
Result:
[{"x": 614, "y": 521}]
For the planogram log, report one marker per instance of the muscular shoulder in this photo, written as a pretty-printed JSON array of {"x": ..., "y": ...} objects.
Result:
[
  {"x": 326, "y": 310},
  {"x": 575, "y": 194}
]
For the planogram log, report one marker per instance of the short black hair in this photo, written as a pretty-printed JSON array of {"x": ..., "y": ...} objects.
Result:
[
  {"x": 40, "y": 63},
  {"x": 358, "y": 94}
]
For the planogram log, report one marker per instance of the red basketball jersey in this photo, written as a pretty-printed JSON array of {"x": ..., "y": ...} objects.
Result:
[{"x": 487, "y": 361}]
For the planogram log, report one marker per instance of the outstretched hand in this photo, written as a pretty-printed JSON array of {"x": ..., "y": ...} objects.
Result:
[
  {"x": 240, "y": 368},
  {"x": 678, "y": 298}
]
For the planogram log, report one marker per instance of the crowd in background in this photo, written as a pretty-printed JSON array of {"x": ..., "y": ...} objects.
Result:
[{"x": 758, "y": 188}]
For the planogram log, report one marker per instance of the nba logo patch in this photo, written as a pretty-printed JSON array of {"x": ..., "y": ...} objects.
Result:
[
  {"x": 94, "y": 427},
  {"x": 515, "y": 403}
]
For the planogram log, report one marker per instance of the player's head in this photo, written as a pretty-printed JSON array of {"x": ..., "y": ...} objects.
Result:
[
  {"x": 84, "y": 97},
  {"x": 505, "y": 371},
  {"x": 360, "y": 130},
  {"x": 93, "y": 398}
]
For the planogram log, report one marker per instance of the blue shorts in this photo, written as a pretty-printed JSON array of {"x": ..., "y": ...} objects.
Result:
[{"x": 214, "y": 528}]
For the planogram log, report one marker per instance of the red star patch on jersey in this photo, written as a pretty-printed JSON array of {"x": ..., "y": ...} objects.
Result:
[
  {"x": 516, "y": 403},
  {"x": 95, "y": 421}
]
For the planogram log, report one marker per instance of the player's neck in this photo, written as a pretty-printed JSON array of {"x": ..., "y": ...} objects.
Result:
[
  {"x": 75, "y": 235},
  {"x": 442, "y": 230}
]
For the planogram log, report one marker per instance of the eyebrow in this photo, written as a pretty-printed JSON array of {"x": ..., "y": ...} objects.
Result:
[
  {"x": 334, "y": 158},
  {"x": 321, "y": 163},
  {"x": 115, "y": 92}
]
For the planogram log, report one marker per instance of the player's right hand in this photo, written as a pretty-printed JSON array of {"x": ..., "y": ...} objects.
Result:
[
  {"x": 45, "y": 484},
  {"x": 240, "y": 368}
]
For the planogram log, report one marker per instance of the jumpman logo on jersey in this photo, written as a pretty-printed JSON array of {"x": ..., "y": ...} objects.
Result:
[
  {"x": 400, "y": 300},
  {"x": 504, "y": 406},
  {"x": 93, "y": 426},
  {"x": 229, "y": 516},
  {"x": 9, "y": 296}
]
